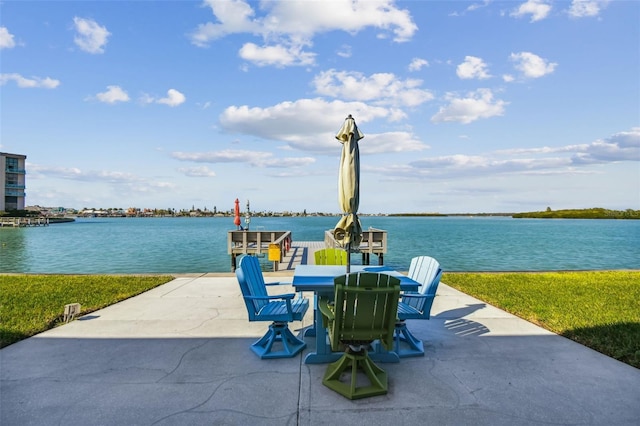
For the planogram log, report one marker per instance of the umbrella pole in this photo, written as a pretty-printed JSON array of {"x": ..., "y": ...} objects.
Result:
[{"x": 348, "y": 257}]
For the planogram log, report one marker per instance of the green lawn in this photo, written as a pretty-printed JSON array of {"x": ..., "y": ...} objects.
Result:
[
  {"x": 599, "y": 309},
  {"x": 30, "y": 304}
]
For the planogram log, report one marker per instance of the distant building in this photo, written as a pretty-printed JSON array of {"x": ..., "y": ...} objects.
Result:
[{"x": 12, "y": 181}]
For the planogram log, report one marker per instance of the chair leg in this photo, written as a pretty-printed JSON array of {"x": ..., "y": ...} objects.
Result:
[
  {"x": 278, "y": 333},
  {"x": 353, "y": 362},
  {"x": 403, "y": 338}
]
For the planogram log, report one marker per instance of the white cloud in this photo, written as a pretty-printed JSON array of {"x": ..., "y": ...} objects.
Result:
[
  {"x": 543, "y": 150},
  {"x": 467, "y": 165},
  {"x": 306, "y": 124},
  {"x": 203, "y": 171},
  {"x": 568, "y": 159},
  {"x": 477, "y": 6},
  {"x": 174, "y": 98},
  {"x": 531, "y": 65},
  {"x": 538, "y": 9},
  {"x": 303, "y": 19},
  {"x": 381, "y": 88},
  {"x": 75, "y": 173},
  {"x": 278, "y": 55},
  {"x": 587, "y": 8},
  {"x": 388, "y": 142},
  {"x": 234, "y": 16},
  {"x": 622, "y": 146},
  {"x": 311, "y": 124},
  {"x": 146, "y": 99},
  {"x": 116, "y": 179},
  {"x": 289, "y": 26},
  {"x": 112, "y": 95},
  {"x": 630, "y": 139},
  {"x": 473, "y": 67},
  {"x": 253, "y": 158},
  {"x": 471, "y": 8},
  {"x": 90, "y": 37},
  {"x": 6, "y": 39},
  {"x": 476, "y": 105},
  {"x": 345, "y": 51},
  {"x": 28, "y": 83},
  {"x": 417, "y": 64}
]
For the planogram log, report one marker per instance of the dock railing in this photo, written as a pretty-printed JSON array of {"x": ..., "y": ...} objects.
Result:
[
  {"x": 374, "y": 241},
  {"x": 19, "y": 222},
  {"x": 275, "y": 244}
]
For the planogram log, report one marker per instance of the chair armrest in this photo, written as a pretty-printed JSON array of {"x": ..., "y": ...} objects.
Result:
[
  {"x": 325, "y": 309},
  {"x": 382, "y": 268},
  {"x": 415, "y": 296},
  {"x": 280, "y": 283},
  {"x": 323, "y": 306},
  {"x": 274, "y": 297}
]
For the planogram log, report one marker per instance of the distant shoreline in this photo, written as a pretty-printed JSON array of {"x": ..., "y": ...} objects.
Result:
[
  {"x": 591, "y": 213},
  {"x": 611, "y": 214}
]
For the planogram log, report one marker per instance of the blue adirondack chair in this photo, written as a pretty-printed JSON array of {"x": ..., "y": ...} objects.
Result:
[
  {"x": 416, "y": 305},
  {"x": 280, "y": 309}
]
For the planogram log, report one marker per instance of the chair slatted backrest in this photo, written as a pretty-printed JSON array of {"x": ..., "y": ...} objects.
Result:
[
  {"x": 366, "y": 306},
  {"x": 252, "y": 283},
  {"x": 330, "y": 256},
  {"x": 425, "y": 270}
]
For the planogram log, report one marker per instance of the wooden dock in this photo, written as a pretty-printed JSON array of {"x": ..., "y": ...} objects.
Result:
[
  {"x": 301, "y": 253},
  {"x": 283, "y": 253},
  {"x": 20, "y": 222}
]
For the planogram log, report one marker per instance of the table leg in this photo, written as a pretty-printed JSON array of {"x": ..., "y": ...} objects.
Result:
[
  {"x": 323, "y": 353},
  {"x": 379, "y": 354},
  {"x": 311, "y": 331}
]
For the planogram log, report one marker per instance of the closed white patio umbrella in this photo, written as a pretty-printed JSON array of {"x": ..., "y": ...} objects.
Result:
[{"x": 348, "y": 231}]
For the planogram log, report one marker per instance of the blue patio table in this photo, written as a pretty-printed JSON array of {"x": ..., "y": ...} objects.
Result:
[{"x": 319, "y": 279}]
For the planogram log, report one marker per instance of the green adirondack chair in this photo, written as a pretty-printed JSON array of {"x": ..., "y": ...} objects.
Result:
[
  {"x": 330, "y": 256},
  {"x": 364, "y": 310}
]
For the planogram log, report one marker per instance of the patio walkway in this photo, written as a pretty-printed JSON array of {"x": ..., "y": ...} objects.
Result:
[{"x": 179, "y": 355}]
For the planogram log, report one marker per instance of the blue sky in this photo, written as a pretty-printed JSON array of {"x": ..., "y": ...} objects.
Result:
[{"x": 481, "y": 106}]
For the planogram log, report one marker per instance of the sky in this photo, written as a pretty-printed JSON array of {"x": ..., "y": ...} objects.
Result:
[{"x": 465, "y": 106}]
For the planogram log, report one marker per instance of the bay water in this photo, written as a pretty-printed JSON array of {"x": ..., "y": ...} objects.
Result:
[{"x": 198, "y": 245}]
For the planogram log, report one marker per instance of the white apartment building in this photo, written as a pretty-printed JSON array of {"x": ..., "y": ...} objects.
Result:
[{"x": 12, "y": 181}]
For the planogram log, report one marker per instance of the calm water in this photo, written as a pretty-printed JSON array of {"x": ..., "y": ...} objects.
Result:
[{"x": 180, "y": 245}]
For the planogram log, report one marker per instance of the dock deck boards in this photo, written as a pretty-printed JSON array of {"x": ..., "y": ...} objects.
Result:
[{"x": 301, "y": 253}]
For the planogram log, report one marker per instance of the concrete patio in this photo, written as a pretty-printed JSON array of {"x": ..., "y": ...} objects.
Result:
[{"x": 179, "y": 355}]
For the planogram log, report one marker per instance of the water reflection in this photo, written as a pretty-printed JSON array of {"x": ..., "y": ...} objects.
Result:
[{"x": 14, "y": 255}]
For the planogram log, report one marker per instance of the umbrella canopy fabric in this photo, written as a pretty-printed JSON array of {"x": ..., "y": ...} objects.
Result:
[
  {"x": 348, "y": 231},
  {"x": 236, "y": 219}
]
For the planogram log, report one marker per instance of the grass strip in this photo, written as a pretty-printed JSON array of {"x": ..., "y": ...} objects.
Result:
[
  {"x": 31, "y": 304},
  {"x": 599, "y": 309}
]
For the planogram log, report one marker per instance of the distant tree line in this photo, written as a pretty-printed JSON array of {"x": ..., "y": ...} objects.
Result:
[{"x": 592, "y": 213}]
